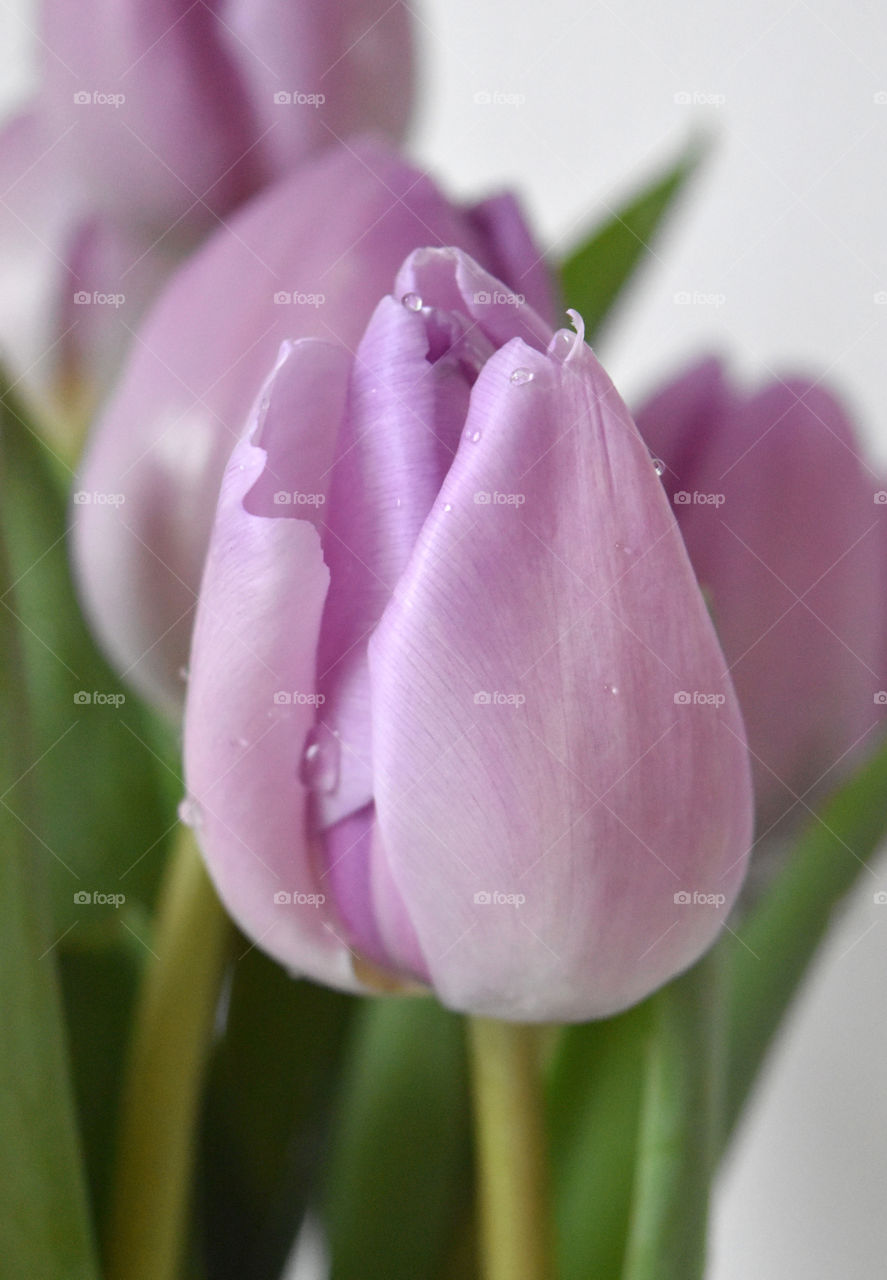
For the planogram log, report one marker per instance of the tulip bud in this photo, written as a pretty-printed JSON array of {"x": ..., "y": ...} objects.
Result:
[
  {"x": 182, "y": 110},
  {"x": 780, "y": 514},
  {"x": 309, "y": 257},
  {"x": 457, "y": 713},
  {"x": 139, "y": 141}
]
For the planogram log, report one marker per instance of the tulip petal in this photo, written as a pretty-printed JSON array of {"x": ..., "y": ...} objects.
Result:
[
  {"x": 404, "y": 421},
  {"x": 600, "y": 798},
  {"x": 255, "y": 644},
  {"x": 517, "y": 258}
]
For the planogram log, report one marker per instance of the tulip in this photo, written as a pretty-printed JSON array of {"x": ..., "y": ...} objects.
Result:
[
  {"x": 780, "y": 514},
  {"x": 139, "y": 142},
  {"x": 309, "y": 257},
  {"x": 438, "y": 726}
]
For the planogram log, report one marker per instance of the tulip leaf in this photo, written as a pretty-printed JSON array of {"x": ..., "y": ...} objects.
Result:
[
  {"x": 679, "y": 1135},
  {"x": 595, "y": 273},
  {"x": 399, "y": 1184},
  {"x": 594, "y": 1092},
  {"x": 99, "y": 968},
  {"x": 781, "y": 935},
  {"x": 266, "y": 1114},
  {"x": 106, "y": 794},
  {"x": 44, "y": 1225}
]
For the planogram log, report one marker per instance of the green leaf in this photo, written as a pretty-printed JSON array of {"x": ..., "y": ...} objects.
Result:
[
  {"x": 101, "y": 770},
  {"x": 595, "y": 273},
  {"x": 679, "y": 1139},
  {"x": 99, "y": 968},
  {"x": 266, "y": 1114},
  {"x": 44, "y": 1227},
  {"x": 399, "y": 1180},
  {"x": 781, "y": 936},
  {"x": 594, "y": 1092}
]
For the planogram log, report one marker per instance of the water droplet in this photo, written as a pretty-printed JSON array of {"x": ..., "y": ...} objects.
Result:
[
  {"x": 659, "y": 466},
  {"x": 562, "y": 344},
  {"x": 412, "y": 301},
  {"x": 319, "y": 768},
  {"x": 521, "y": 376},
  {"x": 190, "y": 813},
  {"x": 448, "y": 506},
  {"x": 611, "y": 688},
  {"x": 397, "y": 502},
  {"x": 473, "y": 436}
]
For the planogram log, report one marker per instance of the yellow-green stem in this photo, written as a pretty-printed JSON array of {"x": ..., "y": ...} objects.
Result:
[
  {"x": 511, "y": 1151},
  {"x": 168, "y": 1052}
]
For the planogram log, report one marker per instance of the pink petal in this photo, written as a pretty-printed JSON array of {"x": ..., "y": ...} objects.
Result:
[{"x": 597, "y": 798}]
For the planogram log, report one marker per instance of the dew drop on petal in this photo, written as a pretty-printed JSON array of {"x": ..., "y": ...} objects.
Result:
[
  {"x": 473, "y": 436},
  {"x": 521, "y": 376},
  {"x": 611, "y": 688},
  {"x": 659, "y": 466},
  {"x": 448, "y": 506},
  {"x": 412, "y": 301},
  {"x": 319, "y": 767}
]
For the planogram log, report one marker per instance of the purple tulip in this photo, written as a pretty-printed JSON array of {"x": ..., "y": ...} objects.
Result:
[
  {"x": 437, "y": 727},
  {"x": 142, "y": 138},
  {"x": 309, "y": 257},
  {"x": 181, "y": 110},
  {"x": 779, "y": 511}
]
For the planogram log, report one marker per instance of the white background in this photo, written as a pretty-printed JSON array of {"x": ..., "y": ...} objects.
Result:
[{"x": 789, "y": 224}]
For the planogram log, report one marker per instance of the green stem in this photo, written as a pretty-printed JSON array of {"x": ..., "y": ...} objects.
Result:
[
  {"x": 511, "y": 1151},
  {"x": 171, "y": 1039}
]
